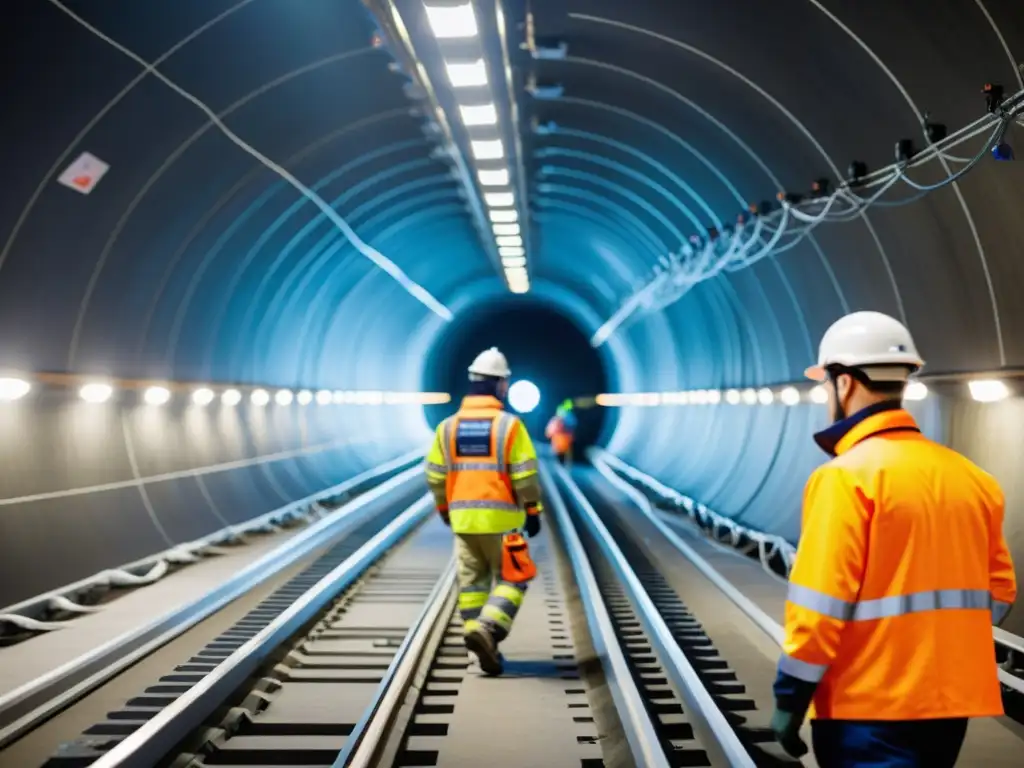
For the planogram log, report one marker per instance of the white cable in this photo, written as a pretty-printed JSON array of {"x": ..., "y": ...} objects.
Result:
[
  {"x": 736, "y": 250},
  {"x": 416, "y": 290},
  {"x": 718, "y": 526}
]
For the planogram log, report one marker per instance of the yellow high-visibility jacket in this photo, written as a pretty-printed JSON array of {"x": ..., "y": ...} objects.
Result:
[
  {"x": 482, "y": 469},
  {"x": 902, "y": 567}
]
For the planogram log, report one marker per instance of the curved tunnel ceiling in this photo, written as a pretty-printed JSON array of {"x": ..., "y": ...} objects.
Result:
[{"x": 191, "y": 260}]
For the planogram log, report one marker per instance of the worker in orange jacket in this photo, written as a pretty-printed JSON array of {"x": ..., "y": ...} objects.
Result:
[
  {"x": 901, "y": 571},
  {"x": 561, "y": 431}
]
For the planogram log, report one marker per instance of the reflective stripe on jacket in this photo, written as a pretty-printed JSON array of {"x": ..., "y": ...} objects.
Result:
[
  {"x": 901, "y": 567},
  {"x": 482, "y": 468}
]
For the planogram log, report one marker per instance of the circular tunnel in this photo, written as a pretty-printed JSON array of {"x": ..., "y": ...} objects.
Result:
[
  {"x": 258, "y": 194},
  {"x": 543, "y": 346}
]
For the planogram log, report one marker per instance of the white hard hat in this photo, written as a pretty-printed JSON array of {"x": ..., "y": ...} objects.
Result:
[
  {"x": 490, "y": 362},
  {"x": 868, "y": 340}
]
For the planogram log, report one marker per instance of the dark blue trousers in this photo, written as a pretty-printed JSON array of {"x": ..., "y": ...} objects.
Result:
[{"x": 888, "y": 744}]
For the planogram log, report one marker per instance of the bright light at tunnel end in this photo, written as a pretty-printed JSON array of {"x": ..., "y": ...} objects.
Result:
[{"x": 524, "y": 396}]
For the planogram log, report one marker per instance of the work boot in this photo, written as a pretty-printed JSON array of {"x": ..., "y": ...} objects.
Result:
[{"x": 480, "y": 643}]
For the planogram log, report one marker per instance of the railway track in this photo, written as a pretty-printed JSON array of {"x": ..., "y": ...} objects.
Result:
[
  {"x": 743, "y": 607},
  {"x": 698, "y": 707},
  {"x": 359, "y": 661}
]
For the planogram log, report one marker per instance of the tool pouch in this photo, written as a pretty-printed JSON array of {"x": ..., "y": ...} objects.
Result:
[{"x": 517, "y": 566}]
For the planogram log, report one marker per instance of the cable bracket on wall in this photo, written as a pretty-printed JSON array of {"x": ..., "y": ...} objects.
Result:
[{"x": 769, "y": 228}]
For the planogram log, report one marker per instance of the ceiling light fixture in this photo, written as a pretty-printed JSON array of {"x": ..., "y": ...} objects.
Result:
[
  {"x": 470, "y": 74},
  {"x": 448, "y": 22},
  {"x": 506, "y": 229},
  {"x": 202, "y": 396},
  {"x": 988, "y": 390},
  {"x": 915, "y": 390},
  {"x": 157, "y": 395},
  {"x": 96, "y": 392},
  {"x": 479, "y": 114},
  {"x": 487, "y": 149},
  {"x": 511, "y": 250},
  {"x": 494, "y": 178},
  {"x": 514, "y": 240},
  {"x": 499, "y": 199},
  {"x": 504, "y": 217},
  {"x": 13, "y": 389},
  {"x": 790, "y": 396}
]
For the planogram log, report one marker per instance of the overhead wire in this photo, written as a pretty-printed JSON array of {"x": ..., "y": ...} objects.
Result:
[
  {"x": 416, "y": 290},
  {"x": 780, "y": 230}
]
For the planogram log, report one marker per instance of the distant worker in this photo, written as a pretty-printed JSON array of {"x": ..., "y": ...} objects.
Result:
[
  {"x": 482, "y": 470},
  {"x": 561, "y": 431},
  {"x": 901, "y": 571}
]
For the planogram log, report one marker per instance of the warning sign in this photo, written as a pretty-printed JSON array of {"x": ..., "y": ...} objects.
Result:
[{"x": 84, "y": 174}]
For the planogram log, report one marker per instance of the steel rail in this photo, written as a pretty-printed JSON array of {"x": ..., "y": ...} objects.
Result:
[
  {"x": 155, "y": 740},
  {"x": 28, "y": 706},
  {"x": 714, "y": 732},
  {"x": 373, "y": 729},
  {"x": 644, "y": 744},
  {"x": 766, "y": 623}
]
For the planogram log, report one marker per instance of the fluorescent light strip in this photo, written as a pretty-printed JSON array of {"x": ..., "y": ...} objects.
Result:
[
  {"x": 504, "y": 217},
  {"x": 513, "y": 261},
  {"x": 506, "y": 229},
  {"x": 470, "y": 74},
  {"x": 448, "y": 22},
  {"x": 480, "y": 114},
  {"x": 499, "y": 199},
  {"x": 515, "y": 240},
  {"x": 511, "y": 250},
  {"x": 487, "y": 149},
  {"x": 493, "y": 178}
]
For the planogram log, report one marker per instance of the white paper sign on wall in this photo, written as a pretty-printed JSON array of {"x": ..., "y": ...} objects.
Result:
[{"x": 84, "y": 174}]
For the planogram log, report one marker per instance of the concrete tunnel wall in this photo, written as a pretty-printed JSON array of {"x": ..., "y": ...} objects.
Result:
[{"x": 190, "y": 261}]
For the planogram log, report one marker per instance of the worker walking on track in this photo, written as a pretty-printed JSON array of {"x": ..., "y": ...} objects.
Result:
[
  {"x": 901, "y": 571},
  {"x": 561, "y": 431},
  {"x": 482, "y": 470}
]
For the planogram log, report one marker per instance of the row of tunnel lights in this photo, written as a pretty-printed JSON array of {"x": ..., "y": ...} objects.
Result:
[
  {"x": 981, "y": 390},
  {"x": 459, "y": 22},
  {"x": 12, "y": 389}
]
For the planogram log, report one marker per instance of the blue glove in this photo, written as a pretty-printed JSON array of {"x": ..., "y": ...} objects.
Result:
[{"x": 786, "y": 727}]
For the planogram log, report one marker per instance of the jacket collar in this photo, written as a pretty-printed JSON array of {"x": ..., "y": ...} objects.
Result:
[
  {"x": 482, "y": 402},
  {"x": 875, "y": 419}
]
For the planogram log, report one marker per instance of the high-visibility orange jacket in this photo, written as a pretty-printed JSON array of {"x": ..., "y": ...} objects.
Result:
[
  {"x": 482, "y": 469},
  {"x": 901, "y": 567},
  {"x": 560, "y": 437}
]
